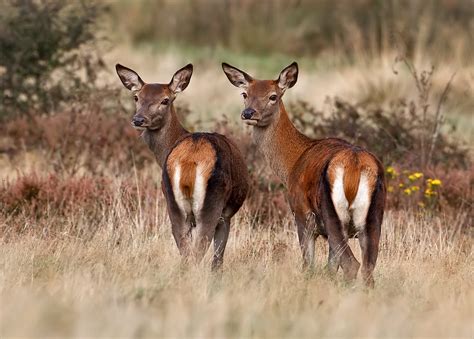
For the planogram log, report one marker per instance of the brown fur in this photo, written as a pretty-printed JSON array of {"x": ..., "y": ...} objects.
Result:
[
  {"x": 188, "y": 154},
  {"x": 353, "y": 163},
  {"x": 220, "y": 163},
  {"x": 226, "y": 179},
  {"x": 308, "y": 195},
  {"x": 308, "y": 167}
]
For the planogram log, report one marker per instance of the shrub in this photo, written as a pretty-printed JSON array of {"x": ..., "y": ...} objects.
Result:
[
  {"x": 33, "y": 202},
  {"x": 43, "y": 62},
  {"x": 395, "y": 134}
]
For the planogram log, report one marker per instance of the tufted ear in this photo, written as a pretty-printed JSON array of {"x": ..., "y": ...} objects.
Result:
[
  {"x": 237, "y": 77},
  {"x": 181, "y": 79},
  {"x": 129, "y": 77},
  {"x": 288, "y": 76}
]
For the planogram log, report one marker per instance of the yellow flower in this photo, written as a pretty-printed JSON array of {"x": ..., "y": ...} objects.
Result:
[
  {"x": 407, "y": 191},
  {"x": 391, "y": 171},
  {"x": 435, "y": 182},
  {"x": 415, "y": 188},
  {"x": 401, "y": 185},
  {"x": 415, "y": 176},
  {"x": 418, "y": 175},
  {"x": 429, "y": 193},
  {"x": 390, "y": 188}
]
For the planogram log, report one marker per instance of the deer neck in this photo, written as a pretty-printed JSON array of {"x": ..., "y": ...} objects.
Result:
[
  {"x": 161, "y": 141},
  {"x": 282, "y": 144}
]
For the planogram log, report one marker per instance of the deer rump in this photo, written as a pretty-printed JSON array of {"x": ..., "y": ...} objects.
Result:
[
  {"x": 199, "y": 175},
  {"x": 346, "y": 175}
]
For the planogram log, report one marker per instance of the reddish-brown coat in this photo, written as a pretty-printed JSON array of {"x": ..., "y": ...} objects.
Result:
[
  {"x": 188, "y": 154},
  {"x": 308, "y": 169},
  {"x": 211, "y": 157},
  {"x": 354, "y": 161}
]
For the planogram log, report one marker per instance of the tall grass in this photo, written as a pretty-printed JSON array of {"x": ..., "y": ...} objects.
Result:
[
  {"x": 122, "y": 276},
  {"x": 85, "y": 243}
]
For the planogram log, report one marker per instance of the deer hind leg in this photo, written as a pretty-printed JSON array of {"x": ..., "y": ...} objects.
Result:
[
  {"x": 181, "y": 229},
  {"x": 369, "y": 238},
  {"x": 342, "y": 254},
  {"x": 220, "y": 241},
  {"x": 333, "y": 262},
  {"x": 181, "y": 219},
  {"x": 207, "y": 222},
  {"x": 334, "y": 223}
]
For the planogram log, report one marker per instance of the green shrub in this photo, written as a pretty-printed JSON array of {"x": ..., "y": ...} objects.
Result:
[{"x": 43, "y": 62}]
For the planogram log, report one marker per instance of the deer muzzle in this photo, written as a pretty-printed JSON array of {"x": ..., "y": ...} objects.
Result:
[{"x": 138, "y": 121}]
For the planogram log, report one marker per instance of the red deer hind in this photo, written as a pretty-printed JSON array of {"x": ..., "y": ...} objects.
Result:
[
  {"x": 204, "y": 179},
  {"x": 335, "y": 189}
]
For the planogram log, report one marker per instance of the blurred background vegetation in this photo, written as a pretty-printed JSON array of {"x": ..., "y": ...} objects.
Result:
[
  {"x": 394, "y": 76},
  {"x": 304, "y": 28}
]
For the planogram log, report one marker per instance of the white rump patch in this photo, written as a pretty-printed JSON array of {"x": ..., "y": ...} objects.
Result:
[
  {"x": 183, "y": 203},
  {"x": 360, "y": 205},
  {"x": 339, "y": 197},
  {"x": 199, "y": 193}
]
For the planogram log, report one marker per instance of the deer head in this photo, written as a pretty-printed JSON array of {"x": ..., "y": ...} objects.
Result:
[
  {"x": 153, "y": 101},
  {"x": 262, "y": 98}
]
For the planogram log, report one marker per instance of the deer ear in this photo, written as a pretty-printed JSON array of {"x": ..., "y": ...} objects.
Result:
[
  {"x": 236, "y": 77},
  {"x": 288, "y": 76},
  {"x": 181, "y": 79},
  {"x": 130, "y": 78}
]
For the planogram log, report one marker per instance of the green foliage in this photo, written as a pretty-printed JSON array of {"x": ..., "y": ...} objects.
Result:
[{"x": 43, "y": 59}]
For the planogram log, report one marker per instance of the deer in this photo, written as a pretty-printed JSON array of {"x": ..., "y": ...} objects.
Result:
[
  {"x": 204, "y": 175},
  {"x": 334, "y": 189}
]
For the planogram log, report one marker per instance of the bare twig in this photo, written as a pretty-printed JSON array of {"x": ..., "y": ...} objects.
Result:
[{"x": 439, "y": 118}]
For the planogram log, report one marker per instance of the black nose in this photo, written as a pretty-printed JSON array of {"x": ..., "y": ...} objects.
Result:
[
  {"x": 248, "y": 113},
  {"x": 138, "y": 120}
]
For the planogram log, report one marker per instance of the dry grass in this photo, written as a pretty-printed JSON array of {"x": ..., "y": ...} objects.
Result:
[
  {"x": 124, "y": 278},
  {"x": 79, "y": 261},
  {"x": 118, "y": 274}
]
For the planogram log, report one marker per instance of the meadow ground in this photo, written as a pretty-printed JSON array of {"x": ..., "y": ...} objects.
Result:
[
  {"x": 120, "y": 274},
  {"x": 124, "y": 279},
  {"x": 85, "y": 243}
]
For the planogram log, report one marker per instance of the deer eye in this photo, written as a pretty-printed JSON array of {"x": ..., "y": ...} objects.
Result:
[
  {"x": 273, "y": 97},
  {"x": 165, "y": 101},
  {"x": 244, "y": 95},
  {"x": 135, "y": 97}
]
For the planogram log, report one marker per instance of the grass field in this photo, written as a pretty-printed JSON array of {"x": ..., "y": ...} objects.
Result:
[
  {"x": 121, "y": 276},
  {"x": 85, "y": 241},
  {"x": 124, "y": 281}
]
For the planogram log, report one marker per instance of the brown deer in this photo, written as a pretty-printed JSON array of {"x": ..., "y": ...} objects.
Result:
[
  {"x": 335, "y": 189},
  {"x": 204, "y": 176}
]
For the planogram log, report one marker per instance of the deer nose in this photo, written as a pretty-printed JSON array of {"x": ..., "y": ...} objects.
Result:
[
  {"x": 248, "y": 113},
  {"x": 138, "y": 120}
]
